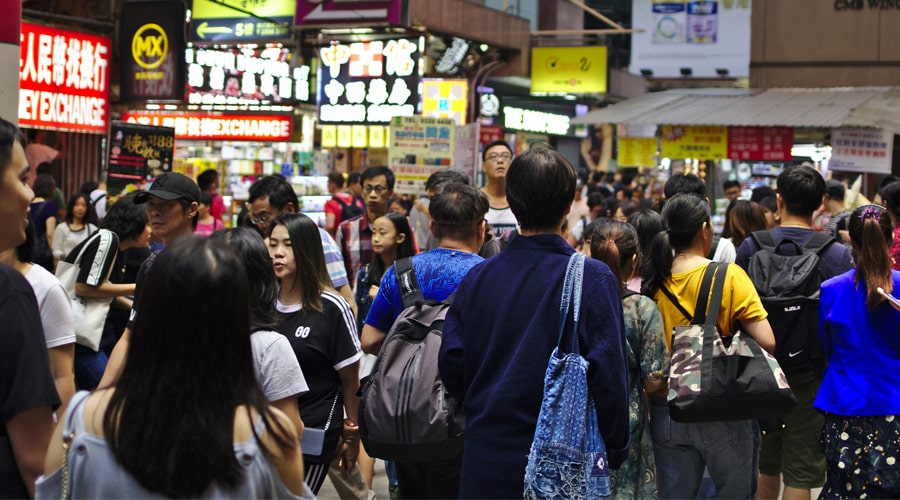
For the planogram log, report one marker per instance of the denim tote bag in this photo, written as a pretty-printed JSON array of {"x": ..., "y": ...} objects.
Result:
[{"x": 568, "y": 456}]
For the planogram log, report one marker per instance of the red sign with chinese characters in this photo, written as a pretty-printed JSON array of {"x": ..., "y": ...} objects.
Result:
[
  {"x": 218, "y": 127},
  {"x": 63, "y": 80},
  {"x": 760, "y": 143},
  {"x": 489, "y": 133}
]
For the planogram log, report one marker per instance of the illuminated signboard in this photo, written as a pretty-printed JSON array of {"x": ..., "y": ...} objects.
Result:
[
  {"x": 535, "y": 121},
  {"x": 446, "y": 99},
  {"x": 63, "y": 79},
  {"x": 151, "y": 44},
  {"x": 568, "y": 69},
  {"x": 368, "y": 82},
  {"x": 219, "y": 127},
  {"x": 244, "y": 77},
  {"x": 217, "y": 21}
]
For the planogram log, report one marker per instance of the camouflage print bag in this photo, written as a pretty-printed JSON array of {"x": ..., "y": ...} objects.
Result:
[{"x": 714, "y": 378}]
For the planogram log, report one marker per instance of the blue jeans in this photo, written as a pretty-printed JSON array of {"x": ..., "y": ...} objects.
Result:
[
  {"x": 726, "y": 449},
  {"x": 89, "y": 367}
]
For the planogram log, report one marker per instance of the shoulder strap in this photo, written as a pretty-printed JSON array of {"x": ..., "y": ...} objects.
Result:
[
  {"x": 764, "y": 239},
  {"x": 718, "y": 290},
  {"x": 688, "y": 316},
  {"x": 628, "y": 293},
  {"x": 700, "y": 313},
  {"x": 818, "y": 242},
  {"x": 407, "y": 283},
  {"x": 338, "y": 199},
  {"x": 70, "y": 426},
  {"x": 571, "y": 294}
]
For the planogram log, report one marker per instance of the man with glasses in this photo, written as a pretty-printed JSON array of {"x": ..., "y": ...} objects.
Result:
[{"x": 496, "y": 159}]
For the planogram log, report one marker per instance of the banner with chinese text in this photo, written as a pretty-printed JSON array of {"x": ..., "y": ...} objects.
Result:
[
  {"x": 861, "y": 150},
  {"x": 637, "y": 151},
  {"x": 138, "y": 153},
  {"x": 418, "y": 147},
  {"x": 760, "y": 143},
  {"x": 705, "y": 143}
]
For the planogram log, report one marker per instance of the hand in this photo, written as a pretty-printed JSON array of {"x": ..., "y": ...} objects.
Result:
[
  {"x": 348, "y": 452},
  {"x": 373, "y": 291}
]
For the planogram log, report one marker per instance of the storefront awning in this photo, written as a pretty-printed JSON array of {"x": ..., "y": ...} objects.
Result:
[{"x": 875, "y": 107}]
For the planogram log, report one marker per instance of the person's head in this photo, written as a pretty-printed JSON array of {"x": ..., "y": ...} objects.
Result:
[
  {"x": 353, "y": 184},
  {"x": 890, "y": 198},
  {"x": 335, "y": 182},
  {"x": 88, "y": 187},
  {"x": 769, "y": 205},
  {"x": 439, "y": 179},
  {"x": 745, "y": 217},
  {"x": 732, "y": 189},
  {"x": 834, "y": 195},
  {"x": 890, "y": 179},
  {"x": 15, "y": 193},
  {"x": 129, "y": 221},
  {"x": 495, "y": 160},
  {"x": 761, "y": 192},
  {"x": 457, "y": 213},
  {"x": 800, "y": 190},
  {"x": 871, "y": 236},
  {"x": 624, "y": 209},
  {"x": 270, "y": 197},
  {"x": 616, "y": 244},
  {"x": 684, "y": 183},
  {"x": 44, "y": 168},
  {"x": 624, "y": 193},
  {"x": 77, "y": 208},
  {"x": 540, "y": 187},
  {"x": 647, "y": 223},
  {"x": 188, "y": 369},
  {"x": 377, "y": 188},
  {"x": 295, "y": 247},
  {"x": 171, "y": 204},
  {"x": 596, "y": 204},
  {"x": 688, "y": 225},
  {"x": 204, "y": 204},
  {"x": 397, "y": 205},
  {"x": 392, "y": 236},
  {"x": 44, "y": 186},
  {"x": 251, "y": 249},
  {"x": 208, "y": 180}
]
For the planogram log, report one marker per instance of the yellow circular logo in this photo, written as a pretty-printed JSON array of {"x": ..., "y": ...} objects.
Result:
[{"x": 149, "y": 46}]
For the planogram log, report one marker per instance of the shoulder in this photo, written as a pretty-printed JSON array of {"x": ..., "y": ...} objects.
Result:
[
  {"x": 12, "y": 281},
  {"x": 41, "y": 280},
  {"x": 845, "y": 279},
  {"x": 334, "y": 304}
]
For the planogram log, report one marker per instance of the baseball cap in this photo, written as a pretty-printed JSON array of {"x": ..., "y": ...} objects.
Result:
[{"x": 171, "y": 186}]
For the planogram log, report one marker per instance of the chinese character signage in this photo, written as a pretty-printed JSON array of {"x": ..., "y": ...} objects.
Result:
[
  {"x": 138, "y": 152},
  {"x": 530, "y": 120},
  {"x": 706, "y": 143},
  {"x": 245, "y": 77},
  {"x": 151, "y": 48},
  {"x": 63, "y": 79},
  {"x": 861, "y": 150},
  {"x": 489, "y": 133},
  {"x": 445, "y": 99},
  {"x": 636, "y": 151},
  {"x": 760, "y": 143},
  {"x": 219, "y": 127},
  {"x": 568, "y": 69},
  {"x": 368, "y": 82},
  {"x": 419, "y": 147},
  {"x": 217, "y": 21}
]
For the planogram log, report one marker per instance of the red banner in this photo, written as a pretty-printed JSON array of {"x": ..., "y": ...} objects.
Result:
[
  {"x": 63, "y": 80},
  {"x": 218, "y": 127},
  {"x": 489, "y": 133},
  {"x": 760, "y": 143}
]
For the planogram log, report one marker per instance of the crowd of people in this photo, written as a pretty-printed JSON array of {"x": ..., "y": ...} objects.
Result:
[{"x": 230, "y": 360}]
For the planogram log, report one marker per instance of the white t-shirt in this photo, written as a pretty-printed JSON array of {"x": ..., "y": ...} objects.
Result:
[
  {"x": 725, "y": 252},
  {"x": 55, "y": 307},
  {"x": 277, "y": 369},
  {"x": 65, "y": 239},
  {"x": 98, "y": 198},
  {"x": 501, "y": 220}
]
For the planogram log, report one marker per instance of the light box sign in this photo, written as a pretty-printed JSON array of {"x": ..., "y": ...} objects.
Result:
[
  {"x": 201, "y": 126},
  {"x": 445, "y": 99},
  {"x": 760, "y": 143},
  {"x": 138, "y": 152},
  {"x": 530, "y": 120},
  {"x": 708, "y": 143},
  {"x": 568, "y": 69},
  {"x": 151, "y": 48},
  {"x": 63, "y": 79},
  {"x": 217, "y": 21},
  {"x": 419, "y": 147},
  {"x": 861, "y": 150},
  {"x": 368, "y": 82},
  {"x": 636, "y": 151},
  {"x": 245, "y": 77}
]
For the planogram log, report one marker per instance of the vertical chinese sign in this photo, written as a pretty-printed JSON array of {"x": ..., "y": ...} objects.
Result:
[
  {"x": 138, "y": 152},
  {"x": 418, "y": 147}
]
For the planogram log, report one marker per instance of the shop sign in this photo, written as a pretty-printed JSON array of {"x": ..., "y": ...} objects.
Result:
[
  {"x": 449, "y": 61},
  {"x": 490, "y": 105},
  {"x": 568, "y": 69},
  {"x": 708, "y": 143},
  {"x": 245, "y": 77},
  {"x": 378, "y": 136},
  {"x": 151, "y": 44},
  {"x": 329, "y": 136},
  {"x": 861, "y": 150},
  {"x": 63, "y": 79},
  {"x": 489, "y": 133},
  {"x": 530, "y": 120},
  {"x": 841, "y": 5},
  {"x": 344, "y": 136},
  {"x": 418, "y": 147},
  {"x": 218, "y": 127},
  {"x": 446, "y": 99},
  {"x": 138, "y": 153},
  {"x": 323, "y": 12},
  {"x": 637, "y": 151},
  {"x": 760, "y": 143},
  {"x": 355, "y": 136},
  {"x": 217, "y": 21},
  {"x": 368, "y": 82}
]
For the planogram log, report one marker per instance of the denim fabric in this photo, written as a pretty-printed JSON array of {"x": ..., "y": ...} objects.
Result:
[{"x": 89, "y": 367}]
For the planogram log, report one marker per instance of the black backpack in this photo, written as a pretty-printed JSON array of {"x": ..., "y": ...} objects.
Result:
[
  {"x": 348, "y": 210},
  {"x": 788, "y": 285},
  {"x": 404, "y": 412}
]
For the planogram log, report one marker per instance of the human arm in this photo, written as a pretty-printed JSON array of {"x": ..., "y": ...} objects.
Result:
[
  {"x": 29, "y": 436},
  {"x": 289, "y": 407},
  {"x": 51, "y": 229},
  {"x": 347, "y": 293},
  {"x": 451, "y": 354},
  {"x": 654, "y": 354},
  {"x": 372, "y": 338},
  {"x": 59, "y": 236},
  {"x": 761, "y": 331},
  {"x": 349, "y": 448},
  {"x": 744, "y": 306},
  {"x": 62, "y": 363},
  {"x": 288, "y": 461},
  {"x": 106, "y": 289},
  {"x": 330, "y": 222},
  {"x": 116, "y": 361}
]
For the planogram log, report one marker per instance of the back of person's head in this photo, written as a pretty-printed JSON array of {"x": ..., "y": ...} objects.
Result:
[
  {"x": 498, "y": 142},
  {"x": 589, "y": 229},
  {"x": 761, "y": 192},
  {"x": 730, "y": 184},
  {"x": 835, "y": 189},
  {"x": 540, "y": 187},
  {"x": 871, "y": 236},
  {"x": 888, "y": 180},
  {"x": 188, "y": 368},
  {"x": 44, "y": 187},
  {"x": 744, "y": 217},
  {"x": 250, "y": 248},
  {"x": 684, "y": 215},
  {"x": 616, "y": 244},
  {"x": 125, "y": 218},
  {"x": 457, "y": 211},
  {"x": 684, "y": 183},
  {"x": 311, "y": 276},
  {"x": 44, "y": 167},
  {"x": 337, "y": 179},
  {"x": 207, "y": 179},
  {"x": 801, "y": 188},
  {"x": 401, "y": 226},
  {"x": 373, "y": 172},
  {"x": 890, "y": 197},
  {"x": 628, "y": 207},
  {"x": 437, "y": 180},
  {"x": 277, "y": 188},
  {"x": 205, "y": 199},
  {"x": 647, "y": 223},
  {"x": 89, "y": 187},
  {"x": 353, "y": 178},
  {"x": 769, "y": 203},
  {"x": 595, "y": 199}
]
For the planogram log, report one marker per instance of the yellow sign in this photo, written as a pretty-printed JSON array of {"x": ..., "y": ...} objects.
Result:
[
  {"x": 637, "y": 151},
  {"x": 445, "y": 99},
  {"x": 705, "y": 143},
  {"x": 149, "y": 46},
  {"x": 329, "y": 136},
  {"x": 376, "y": 136},
  {"x": 568, "y": 69},
  {"x": 209, "y": 9},
  {"x": 344, "y": 136},
  {"x": 360, "y": 136}
]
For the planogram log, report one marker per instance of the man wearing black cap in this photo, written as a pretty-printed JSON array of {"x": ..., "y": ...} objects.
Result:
[{"x": 172, "y": 204}]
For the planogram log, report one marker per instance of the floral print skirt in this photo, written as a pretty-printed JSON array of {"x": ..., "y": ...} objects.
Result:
[{"x": 862, "y": 454}]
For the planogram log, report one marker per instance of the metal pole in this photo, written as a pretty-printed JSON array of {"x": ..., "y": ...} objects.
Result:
[{"x": 480, "y": 76}]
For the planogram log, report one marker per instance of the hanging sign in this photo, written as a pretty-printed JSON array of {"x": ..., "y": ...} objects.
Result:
[
  {"x": 530, "y": 120},
  {"x": 151, "y": 48},
  {"x": 324, "y": 12},
  {"x": 419, "y": 147},
  {"x": 707, "y": 143},
  {"x": 861, "y": 150},
  {"x": 445, "y": 99},
  {"x": 219, "y": 127},
  {"x": 760, "y": 143},
  {"x": 489, "y": 133},
  {"x": 636, "y": 151},
  {"x": 217, "y": 21},
  {"x": 138, "y": 153},
  {"x": 568, "y": 69}
]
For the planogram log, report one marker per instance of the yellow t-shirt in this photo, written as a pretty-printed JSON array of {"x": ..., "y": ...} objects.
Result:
[{"x": 740, "y": 302}]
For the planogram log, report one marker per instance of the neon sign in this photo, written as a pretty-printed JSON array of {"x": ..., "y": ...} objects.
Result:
[
  {"x": 218, "y": 127},
  {"x": 535, "y": 121}
]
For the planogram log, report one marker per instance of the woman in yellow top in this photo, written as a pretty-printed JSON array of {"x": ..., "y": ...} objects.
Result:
[{"x": 677, "y": 262}]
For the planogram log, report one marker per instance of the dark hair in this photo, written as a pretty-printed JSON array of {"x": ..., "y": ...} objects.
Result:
[
  {"x": 684, "y": 183},
  {"x": 404, "y": 249},
  {"x": 337, "y": 179},
  {"x": 250, "y": 248},
  {"x": 437, "y": 180},
  {"x": 627, "y": 193},
  {"x": 761, "y": 192},
  {"x": 769, "y": 203},
  {"x": 125, "y": 218},
  {"x": 373, "y": 172},
  {"x": 744, "y": 217},
  {"x": 647, "y": 223},
  {"x": 801, "y": 189},
  {"x": 684, "y": 216},
  {"x": 309, "y": 257},
  {"x": 596, "y": 198},
  {"x": 628, "y": 207},
  {"x": 871, "y": 235},
  {"x": 615, "y": 243},
  {"x": 190, "y": 366},
  {"x": 277, "y": 188},
  {"x": 730, "y": 184},
  {"x": 353, "y": 178},
  {"x": 499, "y": 142},
  {"x": 540, "y": 187},
  {"x": 44, "y": 187},
  {"x": 207, "y": 179},
  {"x": 70, "y": 208},
  {"x": 25, "y": 250},
  {"x": 205, "y": 199},
  {"x": 9, "y": 135},
  {"x": 835, "y": 189},
  {"x": 888, "y": 180},
  {"x": 457, "y": 211},
  {"x": 45, "y": 167},
  {"x": 890, "y": 197},
  {"x": 89, "y": 187}
]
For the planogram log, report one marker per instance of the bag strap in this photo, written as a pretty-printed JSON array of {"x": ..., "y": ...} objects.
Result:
[
  {"x": 764, "y": 239},
  {"x": 407, "y": 282},
  {"x": 718, "y": 290},
  {"x": 87, "y": 242},
  {"x": 700, "y": 312},
  {"x": 69, "y": 436},
  {"x": 331, "y": 413},
  {"x": 341, "y": 202},
  {"x": 818, "y": 242},
  {"x": 571, "y": 293},
  {"x": 688, "y": 316}
]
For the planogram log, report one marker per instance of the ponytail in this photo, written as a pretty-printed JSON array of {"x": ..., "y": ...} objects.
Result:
[
  {"x": 615, "y": 243},
  {"x": 684, "y": 216},
  {"x": 606, "y": 251},
  {"x": 871, "y": 234},
  {"x": 657, "y": 268}
]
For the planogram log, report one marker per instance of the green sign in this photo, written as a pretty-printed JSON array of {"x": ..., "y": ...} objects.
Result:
[{"x": 234, "y": 21}]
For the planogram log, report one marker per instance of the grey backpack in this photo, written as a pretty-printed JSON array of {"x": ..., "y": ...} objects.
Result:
[{"x": 404, "y": 412}]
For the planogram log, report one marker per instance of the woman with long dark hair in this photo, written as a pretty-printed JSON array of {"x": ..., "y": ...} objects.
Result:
[
  {"x": 860, "y": 393},
  {"x": 75, "y": 229},
  {"x": 186, "y": 417}
]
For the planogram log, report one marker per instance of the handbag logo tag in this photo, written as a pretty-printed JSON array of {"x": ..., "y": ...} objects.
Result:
[{"x": 599, "y": 468}]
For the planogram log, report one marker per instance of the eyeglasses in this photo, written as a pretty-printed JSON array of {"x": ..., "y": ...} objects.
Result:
[
  {"x": 498, "y": 156},
  {"x": 261, "y": 219},
  {"x": 378, "y": 189}
]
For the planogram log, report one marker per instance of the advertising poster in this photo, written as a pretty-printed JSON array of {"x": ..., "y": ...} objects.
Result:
[
  {"x": 637, "y": 151},
  {"x": 419, "y": 146},
  {"x": 699, "y": 38},
  {"x": 151, "y": 50},
  {"x": 705, "y": 143},
  {"x": 138, "y": 153},
  {"x": 861, "y": 150},
  {"x": 445, "y": 99},
  {"x": 466, "y": 154},
  {"x": 568, "y": 69},
  {"x": 760, "y": 143}
]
